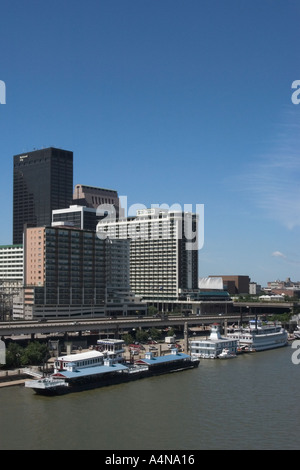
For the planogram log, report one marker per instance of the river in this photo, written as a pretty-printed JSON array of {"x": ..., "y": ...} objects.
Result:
[{"x": 250, "y": 402}]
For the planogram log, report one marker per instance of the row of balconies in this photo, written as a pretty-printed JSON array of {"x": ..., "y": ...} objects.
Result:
[
  {"x": 154, "y": 280},
  {"x": 148, "y": 269},
  {"x": 157, "y": 284}
]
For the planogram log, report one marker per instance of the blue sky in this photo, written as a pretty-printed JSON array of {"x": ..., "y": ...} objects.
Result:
[{"x": 166, "y": 101}]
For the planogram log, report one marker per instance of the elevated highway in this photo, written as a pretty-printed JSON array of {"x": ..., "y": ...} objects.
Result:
[
  {"x": 231, "y": 313},
  {"x": 266, "y": 304},
  {"x": 104, "y": 324}
]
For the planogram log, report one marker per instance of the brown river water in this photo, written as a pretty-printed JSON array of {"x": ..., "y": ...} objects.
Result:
[{"x": 250, "y": 402}]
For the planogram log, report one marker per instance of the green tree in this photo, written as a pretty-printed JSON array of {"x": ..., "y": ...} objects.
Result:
[
  {"x": 152, "y": 310},
  {"x": 142, "y": 336},
  {"x": 14, "y": 354},
  {"x": 128, "y": 338},
  {"x": 171, "y": 332},
  {"x": 35, "y": 354},
  {"x": 155, "y": 334},
  {"x": 283, "y": 317}
]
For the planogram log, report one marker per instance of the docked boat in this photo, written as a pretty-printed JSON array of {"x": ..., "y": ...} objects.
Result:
[
  {"x": 260, "y": 337},
  {"x": 212, "y": 347},
  {"x": 244, "y": 349},
  {"x": 94, "y": 369},
  {"x": 226, "y": 354},
  {"x": 297, "y": 332}
]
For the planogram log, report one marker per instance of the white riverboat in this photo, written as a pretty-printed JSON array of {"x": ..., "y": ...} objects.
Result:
[
  {"x": 212, "y": 347},
  {"x": 260, "y": 337}
]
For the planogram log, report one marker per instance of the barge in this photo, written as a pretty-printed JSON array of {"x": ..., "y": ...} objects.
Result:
[{"x": 106, "y": 366}]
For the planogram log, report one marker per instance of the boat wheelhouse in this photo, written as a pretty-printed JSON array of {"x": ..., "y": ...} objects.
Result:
[{"x": 114, "y": 348}]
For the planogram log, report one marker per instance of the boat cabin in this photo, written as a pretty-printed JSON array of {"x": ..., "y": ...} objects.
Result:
[
  {"x": 72, "y": 362},
  {"x": 212, "y": 347}
]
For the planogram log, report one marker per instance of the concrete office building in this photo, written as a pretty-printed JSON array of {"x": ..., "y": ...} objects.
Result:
[
  {"x": 83, "y": 212},
  {"x": 93, "y": 197},
  {"x": 163, "y": 259},
  {"x": 43, "y": 181},
  {"x": 235, "y": 284}
]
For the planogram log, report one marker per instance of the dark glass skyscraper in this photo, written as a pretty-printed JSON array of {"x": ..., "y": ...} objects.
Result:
[{"x": 43, "y": 181}]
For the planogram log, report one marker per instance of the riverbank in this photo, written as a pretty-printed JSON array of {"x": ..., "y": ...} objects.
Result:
[
  {"x": 13, "y": 383},
  {"x": 9, "y": 378}
]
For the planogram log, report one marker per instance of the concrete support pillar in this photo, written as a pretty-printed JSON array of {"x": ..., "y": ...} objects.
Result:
[{"x": 186, "y": 338}]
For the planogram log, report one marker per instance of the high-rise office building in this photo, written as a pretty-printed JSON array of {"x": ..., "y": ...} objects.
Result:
[
  {"x": 43, "y": 181},
  {"x": 69, "y": 272},
  {"x": 65, "y": 266},
  {"x": 163, "y": 251}
]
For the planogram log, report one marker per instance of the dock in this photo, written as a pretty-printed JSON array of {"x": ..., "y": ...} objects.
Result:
[
  {"x": 10, "y": 378},
  {"x": 11, "y": 383}
]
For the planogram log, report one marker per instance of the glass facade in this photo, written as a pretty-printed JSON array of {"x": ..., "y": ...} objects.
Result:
[
  {"x": 78, "y": 216},
  {"x": 43, "y": 181},
  {"x": 74, "y": 267}
]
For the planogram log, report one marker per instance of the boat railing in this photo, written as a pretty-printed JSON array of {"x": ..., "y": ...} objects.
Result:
[
  {"x": 137, "y": 368},
  {"x": 45, "y": 383}
]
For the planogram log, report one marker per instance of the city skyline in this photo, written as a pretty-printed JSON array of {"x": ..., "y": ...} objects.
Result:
[{"x": 167, "y": 103}]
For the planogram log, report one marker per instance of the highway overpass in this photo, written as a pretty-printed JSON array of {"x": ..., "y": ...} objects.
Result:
[
  {"x": 230, "y": 313},
  {"x": 116, "y": 324}
]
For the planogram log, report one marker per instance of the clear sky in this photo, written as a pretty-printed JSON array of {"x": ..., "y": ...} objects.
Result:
[{"x": 166, "y": 101}]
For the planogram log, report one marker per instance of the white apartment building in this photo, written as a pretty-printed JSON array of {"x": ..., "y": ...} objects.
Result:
[
  {"x": 11, "y": 276},
  {"x": 163, "y": 251},
  {"x": 11, "y": 262}
]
